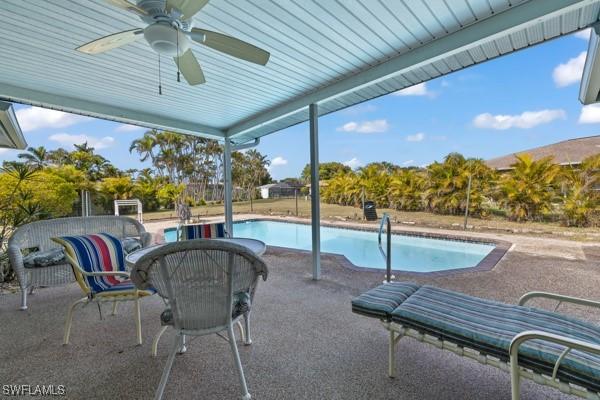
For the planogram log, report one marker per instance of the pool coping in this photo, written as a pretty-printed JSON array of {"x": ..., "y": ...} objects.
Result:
[{"x": 501, "y": 247}]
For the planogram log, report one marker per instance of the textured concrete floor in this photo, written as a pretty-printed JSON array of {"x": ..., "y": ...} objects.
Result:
[{"x": 307, "y": 342}]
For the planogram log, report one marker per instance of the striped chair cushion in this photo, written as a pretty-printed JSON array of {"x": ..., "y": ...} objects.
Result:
[
  {"x": 489, "y": 326},
  {"x": 203, "y": 231},
  {"x": 96, "y": 253},
  {"x": 382, "y": 300}
]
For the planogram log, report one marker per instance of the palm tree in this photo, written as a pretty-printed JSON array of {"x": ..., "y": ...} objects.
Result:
[
  {"x": 447, "y": 184},
  {"x": 343, "y": 188},
  {"x": 36, "y": 156},
  {"x": 406, "y": 190},
  {"x": 528, "y": 190},
  {"x": 144, "y": 146},
  {"x": 374, "y": 178},
  {"x": 84, "y": 147},
  {"x": 59, "y": 156},
  {"x": 581, "y": 198}
]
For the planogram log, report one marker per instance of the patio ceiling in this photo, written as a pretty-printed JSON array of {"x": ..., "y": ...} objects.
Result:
[{"x": 335, "y": 53}]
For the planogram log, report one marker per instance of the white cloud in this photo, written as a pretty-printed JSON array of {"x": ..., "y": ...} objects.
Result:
[
  {"x": 590, "y": 114},
  {"x": 408, "y": 162},
  {"x": 32, "y": 118},
  {"x": 377, "y": 125},
  {"x": 128, "y": 128},
  {"x": 66, "y": 139},
  {"x": 417, "y": 137},
  {"x": 569, "y": 72},
  {"x": 277, "y": 161},
  {"x": 584, "y": 34},
  {"x": 415, "y": 90},
  {"x": 353, "y": 163},
  {"x": 526, "y": 120}
]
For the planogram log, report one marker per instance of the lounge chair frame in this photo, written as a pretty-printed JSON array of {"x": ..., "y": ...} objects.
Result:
[
  {"x": 103, "y": 297},
  {"x": 398, "y": 331}
]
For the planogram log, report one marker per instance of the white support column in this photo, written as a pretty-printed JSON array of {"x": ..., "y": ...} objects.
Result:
[
  {"x": 228, "y": 187},
  {"x": 314, "y": 189}
]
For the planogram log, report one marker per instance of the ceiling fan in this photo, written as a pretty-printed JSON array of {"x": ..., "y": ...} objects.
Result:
[{"x": 170, "y": 32}]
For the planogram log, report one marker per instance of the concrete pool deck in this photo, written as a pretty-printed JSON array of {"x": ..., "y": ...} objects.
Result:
[{"x": 307, "y": 344}]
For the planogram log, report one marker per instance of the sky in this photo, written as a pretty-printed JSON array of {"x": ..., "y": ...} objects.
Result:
[{"x": 522, "y": 100}]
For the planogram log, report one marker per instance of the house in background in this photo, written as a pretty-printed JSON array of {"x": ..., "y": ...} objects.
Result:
[
  {"x": 276, "y": 190},
  {"x": 567, "y": 152}
]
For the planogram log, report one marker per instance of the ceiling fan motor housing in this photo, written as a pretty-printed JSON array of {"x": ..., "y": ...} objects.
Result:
[{"x": 166, "y": 39}]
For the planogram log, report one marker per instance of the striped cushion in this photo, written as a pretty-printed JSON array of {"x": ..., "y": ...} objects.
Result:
[
  {"x": 382, "y": 300},
  {"x": 489, "y": 326},
  {"x": 96, "y": 253},
  {"x": 203, "y": 231}
]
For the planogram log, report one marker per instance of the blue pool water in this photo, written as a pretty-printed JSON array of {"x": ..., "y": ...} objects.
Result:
[{"x": 409, "y": 253}]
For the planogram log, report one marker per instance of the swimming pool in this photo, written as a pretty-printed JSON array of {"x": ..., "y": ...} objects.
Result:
[{"x": 409, "y": 253}]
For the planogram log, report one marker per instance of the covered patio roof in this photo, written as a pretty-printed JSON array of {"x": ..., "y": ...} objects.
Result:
[{"x": 335, "y": 54}]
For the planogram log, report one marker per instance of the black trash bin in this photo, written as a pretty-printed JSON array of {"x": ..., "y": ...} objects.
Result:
[{"x": 370, "y": 212}]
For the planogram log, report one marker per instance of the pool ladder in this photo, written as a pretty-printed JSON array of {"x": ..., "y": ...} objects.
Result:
[{"x": 387, "y": 254}]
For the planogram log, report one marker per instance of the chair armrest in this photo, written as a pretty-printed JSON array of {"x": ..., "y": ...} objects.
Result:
[
  {"x": 569, "y": 343},
  {"x": 15, "y": 256},
  {"x": 146, "y": 239},
  {"x": 576, "y": 344},
  {"x": 561, "y": 298}
]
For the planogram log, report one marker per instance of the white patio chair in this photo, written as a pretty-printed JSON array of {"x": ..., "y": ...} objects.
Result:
[{"x": 209, "y": 285}]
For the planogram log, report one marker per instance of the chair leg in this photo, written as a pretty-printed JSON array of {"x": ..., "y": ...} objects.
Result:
[
  {"x": 241, "y": 329},
  {"x": 31, "y": 289},
  {"x": 515, "y": 379},
  {"x": 182, "y": 347},
  {"x": 156, "y": 339},
  {"x": 238, "y": 363},
  {"x": 138, "y": 321},
  {"x": 165, "y": 375},
  {"x": 392, "y": 355},
  {"x": 24, "y": 298},
  {"x": 247, "y": 340},
  {"x": 70, "y": 319},
  {"x": 114, "y": 310}
]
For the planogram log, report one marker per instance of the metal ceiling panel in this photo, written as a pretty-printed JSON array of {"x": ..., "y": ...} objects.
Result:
[{"x": 337, "y": 53}]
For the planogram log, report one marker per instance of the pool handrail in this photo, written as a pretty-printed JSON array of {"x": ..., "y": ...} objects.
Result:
[{"x": 387, "y": 255}]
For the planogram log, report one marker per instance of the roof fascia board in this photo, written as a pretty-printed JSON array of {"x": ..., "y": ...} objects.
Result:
[
  {"x": 490, "y": 28},
  {"x": 90, "y": 108}
]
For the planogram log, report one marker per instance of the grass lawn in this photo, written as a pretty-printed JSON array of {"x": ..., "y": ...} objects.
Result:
[{"x": 335, "y": 213}]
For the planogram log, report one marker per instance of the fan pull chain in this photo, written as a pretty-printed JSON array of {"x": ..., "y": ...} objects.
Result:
[
  {"x": 159, "y": 77},
  {"x": 178, "y": 55}
]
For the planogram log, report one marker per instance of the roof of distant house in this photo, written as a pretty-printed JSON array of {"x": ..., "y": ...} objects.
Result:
[
  {"x": 278, "y": 185},
  {"x": 567, "y": 152}
]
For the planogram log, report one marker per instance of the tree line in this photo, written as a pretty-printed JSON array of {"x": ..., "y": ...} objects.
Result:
[
  {"x": 531, "y": 190},
  {"x": 184, "y": 170}
]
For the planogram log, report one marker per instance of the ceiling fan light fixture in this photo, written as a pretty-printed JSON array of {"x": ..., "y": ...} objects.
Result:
[{"x": 167, "y": 40}]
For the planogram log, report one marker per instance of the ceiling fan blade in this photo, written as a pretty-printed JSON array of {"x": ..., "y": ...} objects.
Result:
[
  {"x": 230, "y": 45},
  {"x": 125, "y": 5},
  {"x": 188, "y": 8},
  {"x": 111, "y": 41},
  {"x": 189, "y": 67}
]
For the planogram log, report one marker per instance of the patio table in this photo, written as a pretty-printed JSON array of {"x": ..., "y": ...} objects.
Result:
[{"x": 256, "y": 246}]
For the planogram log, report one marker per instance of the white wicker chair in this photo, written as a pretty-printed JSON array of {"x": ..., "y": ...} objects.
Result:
[
  {"x": 203, "y": 281},
  {"x": 38, "y": 235}
]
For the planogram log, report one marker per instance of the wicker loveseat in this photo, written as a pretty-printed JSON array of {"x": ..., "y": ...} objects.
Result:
[{"x": 37, "y": 235}]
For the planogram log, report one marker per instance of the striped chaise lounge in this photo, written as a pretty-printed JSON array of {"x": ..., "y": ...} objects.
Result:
[{"x": 550, "y": 348}]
